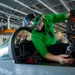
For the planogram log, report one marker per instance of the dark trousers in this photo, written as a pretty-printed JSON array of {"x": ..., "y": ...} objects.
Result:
[{"x": 56, "y": 50}]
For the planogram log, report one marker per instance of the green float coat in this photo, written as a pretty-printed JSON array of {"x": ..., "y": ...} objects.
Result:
[{"x": 42, "y": 40}]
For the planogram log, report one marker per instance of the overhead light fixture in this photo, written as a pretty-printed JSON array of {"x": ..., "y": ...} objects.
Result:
[
  {"x": 27, "y": 6},
  {"x": 6, "y": 6},
  {"x": 47, "y": 6},
  {"x": 65, "y": 5}
]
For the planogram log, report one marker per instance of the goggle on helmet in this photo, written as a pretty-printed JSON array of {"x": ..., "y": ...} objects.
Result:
[{"x": 33, "y": 20}]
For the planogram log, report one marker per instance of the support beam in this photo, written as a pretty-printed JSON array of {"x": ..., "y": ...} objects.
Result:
[
  {"x": 6, "y": 6},
  {"x": 56, "y": 26},
  {"x": 47, "y": 6},
  {"x": 27, "y": 6},
  {"x": 23, "y": 22},
  {"x": 65, "y": 5},
  {"x": 7, "y": 14},
  {"x": 61, "y": 24},
  {"x": 8, "y": 26}
]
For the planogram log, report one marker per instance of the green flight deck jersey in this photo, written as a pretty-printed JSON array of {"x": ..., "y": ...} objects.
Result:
[{"x": 42, "y": 40}]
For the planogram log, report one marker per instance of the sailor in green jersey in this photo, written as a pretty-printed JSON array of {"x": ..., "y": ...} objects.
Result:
[{"x": 43, "y": 34}]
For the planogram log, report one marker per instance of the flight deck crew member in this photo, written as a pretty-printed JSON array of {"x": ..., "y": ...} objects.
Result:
[{"x": 43, "y": 34}]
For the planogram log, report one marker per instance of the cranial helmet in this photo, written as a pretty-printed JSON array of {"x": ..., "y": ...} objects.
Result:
[{"x": 33, "y": 20}]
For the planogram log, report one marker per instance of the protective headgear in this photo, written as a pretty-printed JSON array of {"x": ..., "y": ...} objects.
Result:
[{"x": 33, "y": 20}]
